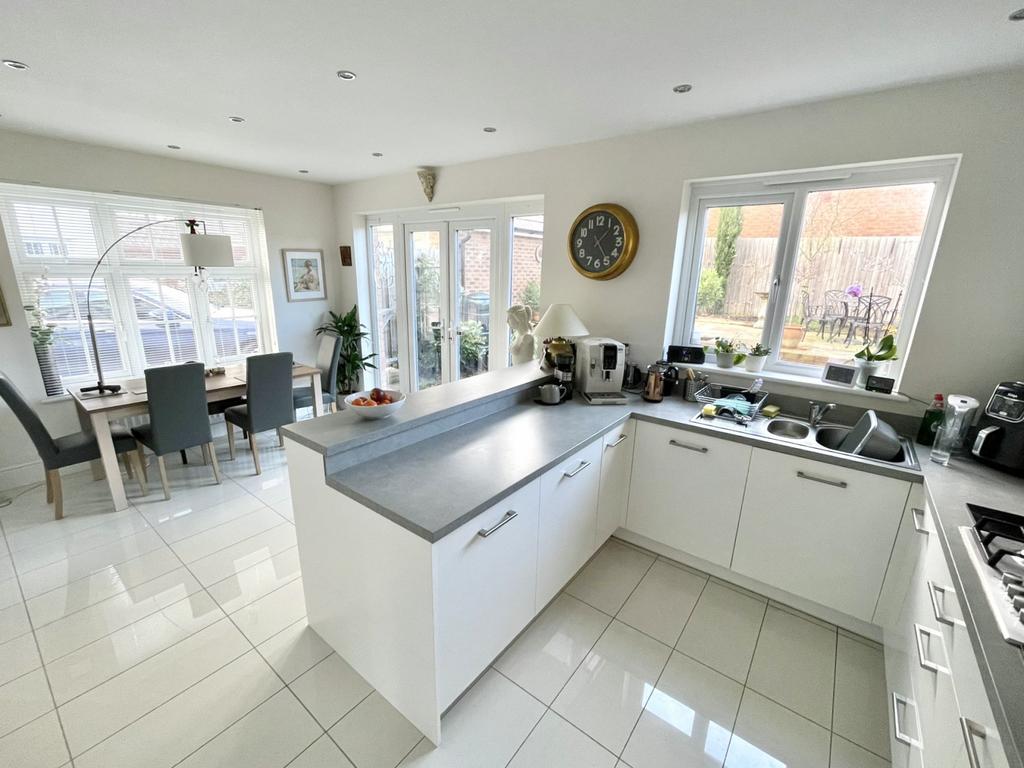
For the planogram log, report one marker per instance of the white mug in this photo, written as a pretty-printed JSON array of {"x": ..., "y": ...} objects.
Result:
[{"x": 552, "y": 393}]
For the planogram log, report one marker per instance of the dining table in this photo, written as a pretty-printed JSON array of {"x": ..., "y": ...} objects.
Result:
[{"x": 97, "y": 411}]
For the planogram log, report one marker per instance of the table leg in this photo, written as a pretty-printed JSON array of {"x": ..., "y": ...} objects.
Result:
[
  {"x": 101, "y": 427},
  {"x": 97, "y": 465},
  {"x": 318, "y": 401}
]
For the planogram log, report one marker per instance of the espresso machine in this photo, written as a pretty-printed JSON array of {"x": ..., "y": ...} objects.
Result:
[{"x": 600, "y": 366}]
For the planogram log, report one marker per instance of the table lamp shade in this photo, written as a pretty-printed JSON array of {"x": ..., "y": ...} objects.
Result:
[
  {"x": 560, "y": 321},
  {"x": 207, "y": 250}
]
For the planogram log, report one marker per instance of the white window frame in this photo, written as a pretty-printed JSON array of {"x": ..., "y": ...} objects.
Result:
[{"x": 791, "y": 189}]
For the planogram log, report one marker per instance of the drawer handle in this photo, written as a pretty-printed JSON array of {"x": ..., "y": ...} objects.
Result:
[
  {"x": 918, "y": 515},
  {"x": 922, "y": 654},
  {"x": 938, "y": 597},
  {"x": 836, "y": 483},
  {"x": 971, "y": 731},
  {"x": 897, "y": 724},
  {"x": 612, "y": 445},
  {"x": 687, "y": 446},
  {"x": 508, "y": 518},
  {"x": 583, "y": 465}
]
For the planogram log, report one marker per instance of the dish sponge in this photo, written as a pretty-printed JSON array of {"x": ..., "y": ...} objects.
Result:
[{"x": 771, "y": 411}]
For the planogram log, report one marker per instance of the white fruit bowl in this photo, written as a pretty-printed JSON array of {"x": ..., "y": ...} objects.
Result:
[{"x": 375, "y": 411}]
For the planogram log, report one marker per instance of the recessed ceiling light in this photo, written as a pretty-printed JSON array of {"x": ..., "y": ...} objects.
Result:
[
  {"x": 683, "y": 88},
  {"x": 378, "y": 154},
  {"x": 236, "y": 119},
  {"x": 12, "y": 64},
  {"x": 345, "y": 74},
  {"x": 173, "y": 146},
  {"x": 1015, "y": 16},
  {"x": 303, "y": 170},
  {"x": 490, "y": 129}
]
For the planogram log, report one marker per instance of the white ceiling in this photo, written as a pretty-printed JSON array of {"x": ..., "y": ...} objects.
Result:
[{"x": 141, "y": 75}]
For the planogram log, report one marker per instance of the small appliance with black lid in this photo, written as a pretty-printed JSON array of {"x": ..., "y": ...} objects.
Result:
[{"x": 1000, "y": 437}]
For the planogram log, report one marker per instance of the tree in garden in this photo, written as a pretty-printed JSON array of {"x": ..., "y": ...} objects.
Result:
[{"x": 730, "y": 224}]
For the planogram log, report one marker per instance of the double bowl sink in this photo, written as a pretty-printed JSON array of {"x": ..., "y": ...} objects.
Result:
[{"x": 824, "y": 436}]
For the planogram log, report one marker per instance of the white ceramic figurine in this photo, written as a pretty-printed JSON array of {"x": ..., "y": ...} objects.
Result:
[{"x": 519, "y": 318}]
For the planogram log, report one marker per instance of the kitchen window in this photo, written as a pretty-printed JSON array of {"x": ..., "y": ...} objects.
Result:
[
  {"x": 149, "y": 308},
  {"x": 813, "y": 264}
]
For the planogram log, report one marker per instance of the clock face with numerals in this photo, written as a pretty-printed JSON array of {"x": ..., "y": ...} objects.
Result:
[{"x": 602, "y": 241}]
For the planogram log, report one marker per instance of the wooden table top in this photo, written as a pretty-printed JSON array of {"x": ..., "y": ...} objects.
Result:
[{"x": 133, "y": 391}]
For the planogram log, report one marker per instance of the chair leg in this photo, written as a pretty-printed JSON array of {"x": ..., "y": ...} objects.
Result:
[
  {"x": 210, "y": 455},
  {"x": 280, "y": 438},
  {"x": 135, "y": 460},
  {"x": 53, "y": 477},
  {"x": 127, "y": 465},
  {"x": 184, "y": 457},
  {"x": 255, "y": 452},
  {"x": 49, "y": 488},
  {"x": 163, "y": 476},
  {"x": 231, "y": 439},
  {"x": 142, "y": 465}
]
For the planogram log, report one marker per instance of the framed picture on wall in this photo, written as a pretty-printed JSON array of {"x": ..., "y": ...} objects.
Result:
[{"x": 304, "y": 274}]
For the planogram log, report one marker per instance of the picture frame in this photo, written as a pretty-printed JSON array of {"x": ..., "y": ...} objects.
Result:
[{"x": 304, "y": 276}]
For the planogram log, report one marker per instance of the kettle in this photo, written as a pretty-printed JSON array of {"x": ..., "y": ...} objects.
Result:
[{"x": 654, "y": 384}]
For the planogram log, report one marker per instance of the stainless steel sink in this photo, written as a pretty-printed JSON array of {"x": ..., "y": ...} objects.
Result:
[
  {"x": 830, "y": 437},
  {"x": 794, "y": 430}
]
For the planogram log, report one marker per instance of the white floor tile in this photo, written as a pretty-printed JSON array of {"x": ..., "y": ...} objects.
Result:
[
  {"x": 264, "y": 618},
  {"x": 214, "y": 539},
  {"x": 663, "y": 601},
  {"x": 846, "y": 754},
  {"x": 688, "y": 719},
  {"x": 794, "y": 664},
  {"x": 374, "y": 734},
  {"x": 122, "y": 524},
  {"x": 272, "y": 486},
  {"x": 543, "y": 658},
  {"x": 78, "y": 629},
  {"x": 24, "y": 699},
  {"x": 323, "y": 753},
  {"x": 104, "y": 583},
  {"x": 861, "y": 714},
  {"x": 284, "y": 508},
  {"x": 722, "y": 630},
  {"x": 606, "y": 694},
  {"x": 6, "y": 567},
  {"x": 294, "y": 650},
  {"x": 87, "y": 667},
  {"x": 186, "y": 521},
  {"x": 237, "y": 557},
  {"x": 168, "y": 734},
  {"x": 483, "y": 730},
  {"x": 13, "y": 622},
  {"x": 606, "y": 581},
  {"x": 768, "y": 734},
  {"x": 10, "y": 593},
  {"x": 47, "y": 529},
  {"x": 554, "y": 742},
  {"x": 268, "y": 737},
  {"x": 100, "y": 712},
  {"x": 17, "y": 657},
  {"x": 38, "y": 744},
  {"x": 330, "y": 690},
  {"x": 199, "y": 492},
  {"x": 256, "y": 581}
]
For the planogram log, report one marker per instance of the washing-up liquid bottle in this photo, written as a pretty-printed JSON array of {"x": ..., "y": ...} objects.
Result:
[{"x": 930, "y": 421}]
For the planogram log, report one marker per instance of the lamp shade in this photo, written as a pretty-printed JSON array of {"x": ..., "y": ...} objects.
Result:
[
  {"x": 207, "y": 250},
  {"x": 560, "y": 320}
]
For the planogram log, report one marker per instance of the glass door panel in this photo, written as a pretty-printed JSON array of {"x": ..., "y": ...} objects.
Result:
[
  {"x": 472, "y": 294},
  {"x": 428, "y": 252},
  {"x": 386, "y": 304}
]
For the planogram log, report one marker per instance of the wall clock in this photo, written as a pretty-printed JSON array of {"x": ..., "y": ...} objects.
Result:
[{"x": 602, "y": 241}]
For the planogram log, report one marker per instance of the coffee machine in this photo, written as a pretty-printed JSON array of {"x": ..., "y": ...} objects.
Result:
[
  {"x": 600, "y": 366},
  {"x": 1000, "y": 437}
]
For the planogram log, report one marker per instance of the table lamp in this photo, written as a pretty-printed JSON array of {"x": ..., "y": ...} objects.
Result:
[{"x": 559, "y": 323}]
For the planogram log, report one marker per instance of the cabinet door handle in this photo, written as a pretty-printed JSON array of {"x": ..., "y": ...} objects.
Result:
[
  {"x": 508, "y": 518},
  {"x": 922, "y": 654},
  {"x": 583, "y": 465},
  {"x": 971, "y": 731},
  {"x": 897, "y": 723},
  {"x": 918, "y": 517},
  {"x": 687, "y": 446},
  {"x": 813, "y": 478},
  {"x": 619, "y": 440},
  {"x": 938, "y": 597}
]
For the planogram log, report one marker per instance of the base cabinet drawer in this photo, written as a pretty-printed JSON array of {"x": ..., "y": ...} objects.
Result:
[
  {"x": 568, "y": 519},
  {"x": 485, "y": 584},
  {"x": 616, "y": 467}
]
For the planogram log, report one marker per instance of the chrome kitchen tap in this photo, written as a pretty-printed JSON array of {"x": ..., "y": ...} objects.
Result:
[{"x": 817, "y": 412}]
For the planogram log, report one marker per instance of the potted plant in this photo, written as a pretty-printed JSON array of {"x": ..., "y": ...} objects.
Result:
[
  {"x": 756, "y": 355},
  {"x": 42, "y": 340},
  {"x": 352, "y": 362},
  {"x": 727, "y": 353},
  {"x": 870, "y": 359}
]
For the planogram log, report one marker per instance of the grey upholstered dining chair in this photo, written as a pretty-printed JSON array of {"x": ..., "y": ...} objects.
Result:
[
  {"x": 177, "y": 416},
  {"x": 327, "y": 358},
  {"x": 68, "y": 450},
  {"x": 268, "y": 400}
]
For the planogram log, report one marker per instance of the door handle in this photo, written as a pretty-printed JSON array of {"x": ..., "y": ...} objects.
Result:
[
  {"x": 924, "y": 659},
  {"x": 824, "y": 480},
  {"x": 937, "y": 594},
  {"x": 971, "y": 731},
  {"x": 583, "y": 465},
  {"x": 511, "y": 515},
  {"x": 897, "y": 723},
  {"x": 687, "y": 446},
  {"x": 918, "y": 514},
  {"x": 617, "y": 441}
]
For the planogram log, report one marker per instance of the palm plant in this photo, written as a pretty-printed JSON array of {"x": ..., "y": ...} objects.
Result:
[{"x": 352, "y": 361}]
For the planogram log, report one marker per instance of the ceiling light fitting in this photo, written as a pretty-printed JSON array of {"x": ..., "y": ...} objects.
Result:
[
  {"x": 683, "y": 88},
  {"x": 303, "y": 170},
  {"x": 345, "y": 74},
  {"x": 378, "y": 154},
  {"x": 490, "y": 129},
  {"x": 236, "y": 119},
  {"x": 173, "y": 146},
  {"x": 12, "y": 64}
]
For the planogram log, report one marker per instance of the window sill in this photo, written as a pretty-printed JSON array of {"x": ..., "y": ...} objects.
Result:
[{"x": 803, "y": 382}]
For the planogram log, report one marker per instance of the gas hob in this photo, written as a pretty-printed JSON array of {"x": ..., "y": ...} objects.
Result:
[{"x": 995, "y": 544}]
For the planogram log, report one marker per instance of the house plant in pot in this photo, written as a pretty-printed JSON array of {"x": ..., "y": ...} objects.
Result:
[
  {"x": 352, "y": 361},
  {"x": 727, "y": 353},
  {"x": 870, "y": 359},
  {"x": 756, "y": 355}
]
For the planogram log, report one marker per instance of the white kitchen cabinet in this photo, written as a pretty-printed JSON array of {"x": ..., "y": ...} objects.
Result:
[
  {"x": 568, "y": 519},
  {"x": 484, "y": 588},
  {"x": 686, "y": 490},
  {"x": 819, "y": 531},
  {"x": 616, "y": 467}
]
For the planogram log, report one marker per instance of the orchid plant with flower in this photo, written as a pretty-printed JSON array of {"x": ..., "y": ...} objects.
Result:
[{"x": 854, "y": 291}]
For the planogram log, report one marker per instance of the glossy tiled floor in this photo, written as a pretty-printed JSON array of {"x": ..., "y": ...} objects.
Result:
[{"x": 174, "y": 633}]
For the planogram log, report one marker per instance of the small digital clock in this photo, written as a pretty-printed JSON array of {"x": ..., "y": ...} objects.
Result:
[{"x": 839, "y": 374}]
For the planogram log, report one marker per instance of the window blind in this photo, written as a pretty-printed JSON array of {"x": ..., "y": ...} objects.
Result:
[{"x": 149, "y": 309}]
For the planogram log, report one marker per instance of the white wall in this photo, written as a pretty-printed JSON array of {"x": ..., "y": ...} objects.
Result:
[
  {"x": 971, "y": 331},
  {"x": 297, "y": 214}
]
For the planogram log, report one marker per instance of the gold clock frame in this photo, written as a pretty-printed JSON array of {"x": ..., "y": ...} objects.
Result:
[{"x": 630, "y": 240}]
